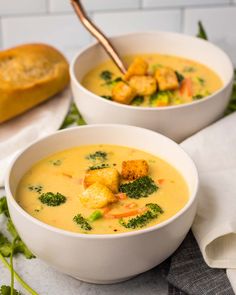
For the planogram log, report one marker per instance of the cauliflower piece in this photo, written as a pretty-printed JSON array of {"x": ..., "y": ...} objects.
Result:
[
  {"x": 138, "y": 67},
  {"x": 97, "y": 196},
  {"x": 107, "y": 176},
  {"x": 123, "y": 93},
  {"x": 134, "y": 169},
  {"x": 143, "y": 85},
  {"x": 167, "y": 79}
]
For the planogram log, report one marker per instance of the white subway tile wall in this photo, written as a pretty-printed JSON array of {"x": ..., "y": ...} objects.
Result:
[
  {"x": 186, "y": 3},
  {"x": 140, "y": 20},
  {"x": 10, "y": 7},
  {"x": 220, "y": 24},
  {"x": 95, "y": 5},
  {"x": 53, "y": 21}
]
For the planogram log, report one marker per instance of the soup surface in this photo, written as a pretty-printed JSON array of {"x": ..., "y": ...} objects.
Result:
[
  {"x": 102, "y": 189},
  {"x": 153, "y": 80}
]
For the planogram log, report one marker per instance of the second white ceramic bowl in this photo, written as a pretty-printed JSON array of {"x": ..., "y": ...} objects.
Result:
[
  {"x": 103, "y": 258},
  {"x": 177, "y": 122}
]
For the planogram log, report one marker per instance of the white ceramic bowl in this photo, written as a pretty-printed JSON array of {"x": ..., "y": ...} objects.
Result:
[
  {"x": 176, "y": 122},
  {"x": 103, "y": 258}
]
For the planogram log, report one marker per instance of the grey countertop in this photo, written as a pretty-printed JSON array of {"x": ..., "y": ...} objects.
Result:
[{"x": 47, "y": 281}]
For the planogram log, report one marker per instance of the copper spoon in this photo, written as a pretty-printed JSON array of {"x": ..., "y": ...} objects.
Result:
[{"x": 102, "y": 39}]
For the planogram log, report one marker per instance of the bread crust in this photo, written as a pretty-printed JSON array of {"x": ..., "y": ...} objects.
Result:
[{"x": 29, "y": 75}]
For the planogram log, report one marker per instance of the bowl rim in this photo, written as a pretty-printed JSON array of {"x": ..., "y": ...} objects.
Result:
[
  {"x": 30, "y": 218},
  {"x": 163, "y": 108}
]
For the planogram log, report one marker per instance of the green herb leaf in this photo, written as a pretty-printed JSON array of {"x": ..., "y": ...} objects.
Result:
[
  {"x": 189, "y": 69},
  {"x": 51, "y": 199},
  {"x": 201, "y": 31},
  {"x": 80, "y": 220},
  {"x": 4, "y": 207},
  {"x": 19, "y": 246},
  {"x": 73, "y": 118},
  {"x": 139, "y": 188},
  {"x": 36, "y": 188},
  {"x": 5, "y": 246},
  {"x": 179, "y": 76},
  {"x": 142, "y": 220},
  {"x": 6, "y": 290},
  {"x": 56, "y": 162}
]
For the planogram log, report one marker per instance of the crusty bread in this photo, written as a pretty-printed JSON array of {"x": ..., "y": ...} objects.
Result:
[{"x": 30, "y": 74}]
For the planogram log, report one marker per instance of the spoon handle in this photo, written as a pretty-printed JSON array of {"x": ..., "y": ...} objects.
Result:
[{"x": 103, "y": 40}]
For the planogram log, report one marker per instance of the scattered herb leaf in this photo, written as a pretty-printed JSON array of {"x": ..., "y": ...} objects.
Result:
[
  {"x": 56, "y": 162},
  {"x": 4, "y": 207},
  {"x": 73, "y": 118},
  {"x": 189, "y": 69},
  {"x": 80, "y": 220},
  {"x": 51, "y": 199},
  {"x": 201, "y": 31},
  {"x": 36, "y": 188},
  {"x": 19, "y": 246},
  {"x": 5, "y": 246},
  {"x": 6, "y": 290},
  {"x": 139, "y": 188}
]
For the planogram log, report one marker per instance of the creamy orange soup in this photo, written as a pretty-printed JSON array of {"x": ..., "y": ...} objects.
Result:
[
  {"x": 192, "y": 81},
  {"x": 58, "y": 190}
]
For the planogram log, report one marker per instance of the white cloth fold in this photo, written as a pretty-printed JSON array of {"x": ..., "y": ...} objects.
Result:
[
  {"x": 36, "y": 123},
  {"x": 214, "y": 152}
]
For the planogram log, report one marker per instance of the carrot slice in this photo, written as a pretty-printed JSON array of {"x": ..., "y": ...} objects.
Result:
[
  {"x": 186, "y": 87},
  {"x": 106, "y": 210},
  {"x": 131, "y": 205},
  {"x": 162, "y": 104},
  {"x": 126, "y": 214},
  {"x": 121, "y": 196}
]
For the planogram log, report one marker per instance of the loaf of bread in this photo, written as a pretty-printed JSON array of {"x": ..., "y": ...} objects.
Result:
[{"x": 29, "y": 75}]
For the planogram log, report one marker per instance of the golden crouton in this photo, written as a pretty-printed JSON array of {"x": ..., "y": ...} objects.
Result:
[
  {"x": 107, "y": 176},
  {"x": 123, "y": 93},
  {"x": 143, "y": 85},
  {"x": 134, "y": 169},
  {"x": 166, "y": 78},
  {"x": 97, "y": 196},
  {"x": 138, "y": 67}
]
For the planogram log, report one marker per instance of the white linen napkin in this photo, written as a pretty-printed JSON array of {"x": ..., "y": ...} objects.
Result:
[
  {"x": 214, "y": 152},
  {"x": 34, "y": 124}
]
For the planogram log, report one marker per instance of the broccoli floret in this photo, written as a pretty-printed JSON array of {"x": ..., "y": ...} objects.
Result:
[
  {"x": 51, "y": 199},
  {"x": 80, "y": 220},
  {"x": 139, "y": 188},
  {"x": 142, "y": 220}
]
